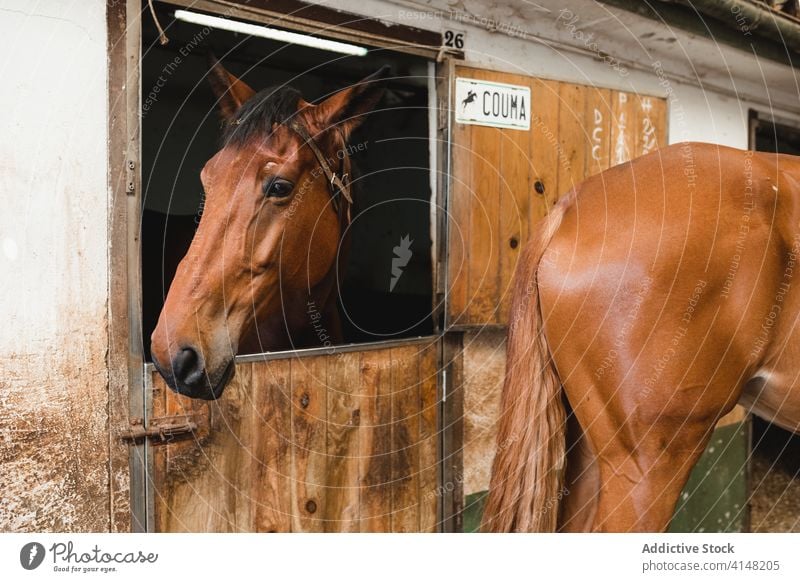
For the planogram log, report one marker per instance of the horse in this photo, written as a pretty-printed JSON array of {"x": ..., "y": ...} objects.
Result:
[
  {"x": 652, "y": 299},
  {"x": 471, "y": 96},
  {"x": 261, "y": 271}
]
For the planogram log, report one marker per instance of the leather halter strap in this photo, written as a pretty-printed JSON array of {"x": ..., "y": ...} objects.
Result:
[{"x": 339, "y": 184}]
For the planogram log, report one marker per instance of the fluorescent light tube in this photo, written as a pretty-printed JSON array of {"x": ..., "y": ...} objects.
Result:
[{"x": 271, "y": 33}]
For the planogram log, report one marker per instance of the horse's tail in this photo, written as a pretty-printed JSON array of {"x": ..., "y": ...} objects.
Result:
[{"x": 528, "y": 470}]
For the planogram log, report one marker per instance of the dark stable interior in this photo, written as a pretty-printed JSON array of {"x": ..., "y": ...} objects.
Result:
[
  {"x": 181, "y": 131},
  {"x": 777, "y": 448}
]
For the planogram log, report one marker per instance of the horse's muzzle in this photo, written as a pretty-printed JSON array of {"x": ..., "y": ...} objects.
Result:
[{"x": 186, "y": 375}]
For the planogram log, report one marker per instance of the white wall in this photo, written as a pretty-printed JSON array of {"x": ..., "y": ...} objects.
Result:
[
  {"x": 697, "y": 115},
  {"x": 53, "y": 257}
]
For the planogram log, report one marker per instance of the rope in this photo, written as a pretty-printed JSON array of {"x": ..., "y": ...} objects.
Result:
[{"x": 162, "y": 37}]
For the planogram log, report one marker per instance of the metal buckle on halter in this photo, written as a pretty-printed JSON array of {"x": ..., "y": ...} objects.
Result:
[
  {"x": 336, "y": 182},
  {"x": 341, "y": 185}
]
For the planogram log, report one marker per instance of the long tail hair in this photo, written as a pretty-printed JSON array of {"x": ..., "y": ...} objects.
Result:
[{"x": 528, "y": 470}]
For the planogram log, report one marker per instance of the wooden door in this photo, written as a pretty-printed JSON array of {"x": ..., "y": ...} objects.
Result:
[
  {"x": 322, "y": 442},
  {"x": 504, "y": 180}
]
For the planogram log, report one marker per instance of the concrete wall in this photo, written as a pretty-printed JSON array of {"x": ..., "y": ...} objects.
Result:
[{"x": 54, "y": 437}]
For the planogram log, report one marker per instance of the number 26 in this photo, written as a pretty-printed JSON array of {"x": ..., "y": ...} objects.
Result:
[{"x": 453, "y": 39}]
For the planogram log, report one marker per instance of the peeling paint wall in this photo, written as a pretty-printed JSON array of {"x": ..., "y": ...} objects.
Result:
[
  {"x": 53, "y": 256},
  {"x": 484, "y": 372}
]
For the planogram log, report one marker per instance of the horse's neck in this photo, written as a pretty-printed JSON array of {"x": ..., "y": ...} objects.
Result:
[
  {"x": 309, "y": 319},
  {"x": 325, "y": 328}
]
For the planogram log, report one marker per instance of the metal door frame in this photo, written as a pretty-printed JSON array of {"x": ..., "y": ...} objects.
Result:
[{"x": 124, "y": 356}]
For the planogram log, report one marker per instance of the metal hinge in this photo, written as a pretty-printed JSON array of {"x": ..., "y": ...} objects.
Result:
[
  {"x": 130, "y": 178},
  {"x": 160, "y": 431}
]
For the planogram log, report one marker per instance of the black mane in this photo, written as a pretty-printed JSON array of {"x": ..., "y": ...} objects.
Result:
[{"x": 260, "y": 112}]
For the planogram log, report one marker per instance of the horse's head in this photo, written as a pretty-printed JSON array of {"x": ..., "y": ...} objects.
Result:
[{"x": 275, "y": 208}]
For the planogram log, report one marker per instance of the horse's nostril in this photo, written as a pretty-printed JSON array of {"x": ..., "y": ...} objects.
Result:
[{"x": 186, "y": 366}]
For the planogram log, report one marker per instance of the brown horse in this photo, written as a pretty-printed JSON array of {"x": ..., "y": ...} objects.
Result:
[
  {"x": 651, "y": 300},
  {"x": 260, "y": 273}
]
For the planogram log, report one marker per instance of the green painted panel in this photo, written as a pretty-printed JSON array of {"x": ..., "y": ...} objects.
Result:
[
  {"x": 473, "y": 510},
  {"x": 714, "y": 499}
]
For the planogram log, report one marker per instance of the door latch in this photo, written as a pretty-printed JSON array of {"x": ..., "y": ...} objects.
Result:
[{"x": 160, "y": 431}]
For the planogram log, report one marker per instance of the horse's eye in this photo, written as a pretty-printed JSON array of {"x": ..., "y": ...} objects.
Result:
[{"x": 277, "y": 187}]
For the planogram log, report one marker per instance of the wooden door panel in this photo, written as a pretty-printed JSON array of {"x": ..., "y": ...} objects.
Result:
[
  {"x": 572, "y": 140},
  {"x": 309, "y": 461},
  {"x": 515, "y": 177},
  {"x": 341, "y": 510},
  {"x": 335, "y": 442},
  {"x": 484, "y": 200},
  {"x": 623, "y": 127},
  {"x": 544, "y": 154},
  {"x": 272, "y": 477},
  {"x": 405, "y": 440},
  {"x": 598, "y": 128},
  {"x": 504, "y": 180}
]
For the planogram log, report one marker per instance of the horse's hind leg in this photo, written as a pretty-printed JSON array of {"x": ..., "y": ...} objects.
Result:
[
  {"x": 579, "y": 496},
  {"x": 646, "y": 442},
  {"x": 642, "y": 481},
  {"x": 647, "y": 397}
]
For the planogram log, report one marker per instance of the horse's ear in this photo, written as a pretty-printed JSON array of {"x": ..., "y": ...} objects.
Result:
[
  {"x": 230, "y": 91},
  {"x": 347, "y": 108}
]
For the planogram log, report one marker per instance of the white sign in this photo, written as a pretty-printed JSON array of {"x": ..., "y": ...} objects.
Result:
[{"x": 492, "y": 104}]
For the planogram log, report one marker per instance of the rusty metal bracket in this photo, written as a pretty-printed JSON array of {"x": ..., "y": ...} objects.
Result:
[{"x": 160, "y": 431}]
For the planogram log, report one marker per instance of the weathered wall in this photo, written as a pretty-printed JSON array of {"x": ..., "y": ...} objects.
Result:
[
  {"x": 484, "y": 372},
  {"x": 713, "y": 83},
  {"x": 53, "y": 254}
]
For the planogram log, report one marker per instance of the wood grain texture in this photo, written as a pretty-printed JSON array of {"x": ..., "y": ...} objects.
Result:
[
  {"x": 544, "y": 148},
  {"x": 309, "y": 453},
  {"x": 512, "y": 229},
  {"x": 482, "y": 244},
  {"x": 623, "y": 127},
  {"x": 598, "y": 124},
  {"x": 458, "y": 213},
  {"x": 452, "y": 458},
  {"x": 231, "y": 491},
  {"x": 572, "y": 136},
  {"x": 505, "y": 180},
  {"x": 429, "y": 439},
  {"x": 375, "y": 441},
  {"x": 175, "y": 508},
  {"x": 272, "y": 466},
  {"x": 342, "y": 503},
  {"x": 405, "y": 438},
  {"x": 646, "y": 120},
  {"x": 341, "y": 442}
]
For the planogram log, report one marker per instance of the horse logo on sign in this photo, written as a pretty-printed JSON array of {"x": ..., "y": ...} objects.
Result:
[{"x": 471, "y": 96}]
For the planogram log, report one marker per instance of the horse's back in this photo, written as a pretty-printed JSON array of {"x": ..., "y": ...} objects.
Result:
[
  {"x": 665, "y": 290},
  {"x": 664, "y": 269}
]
